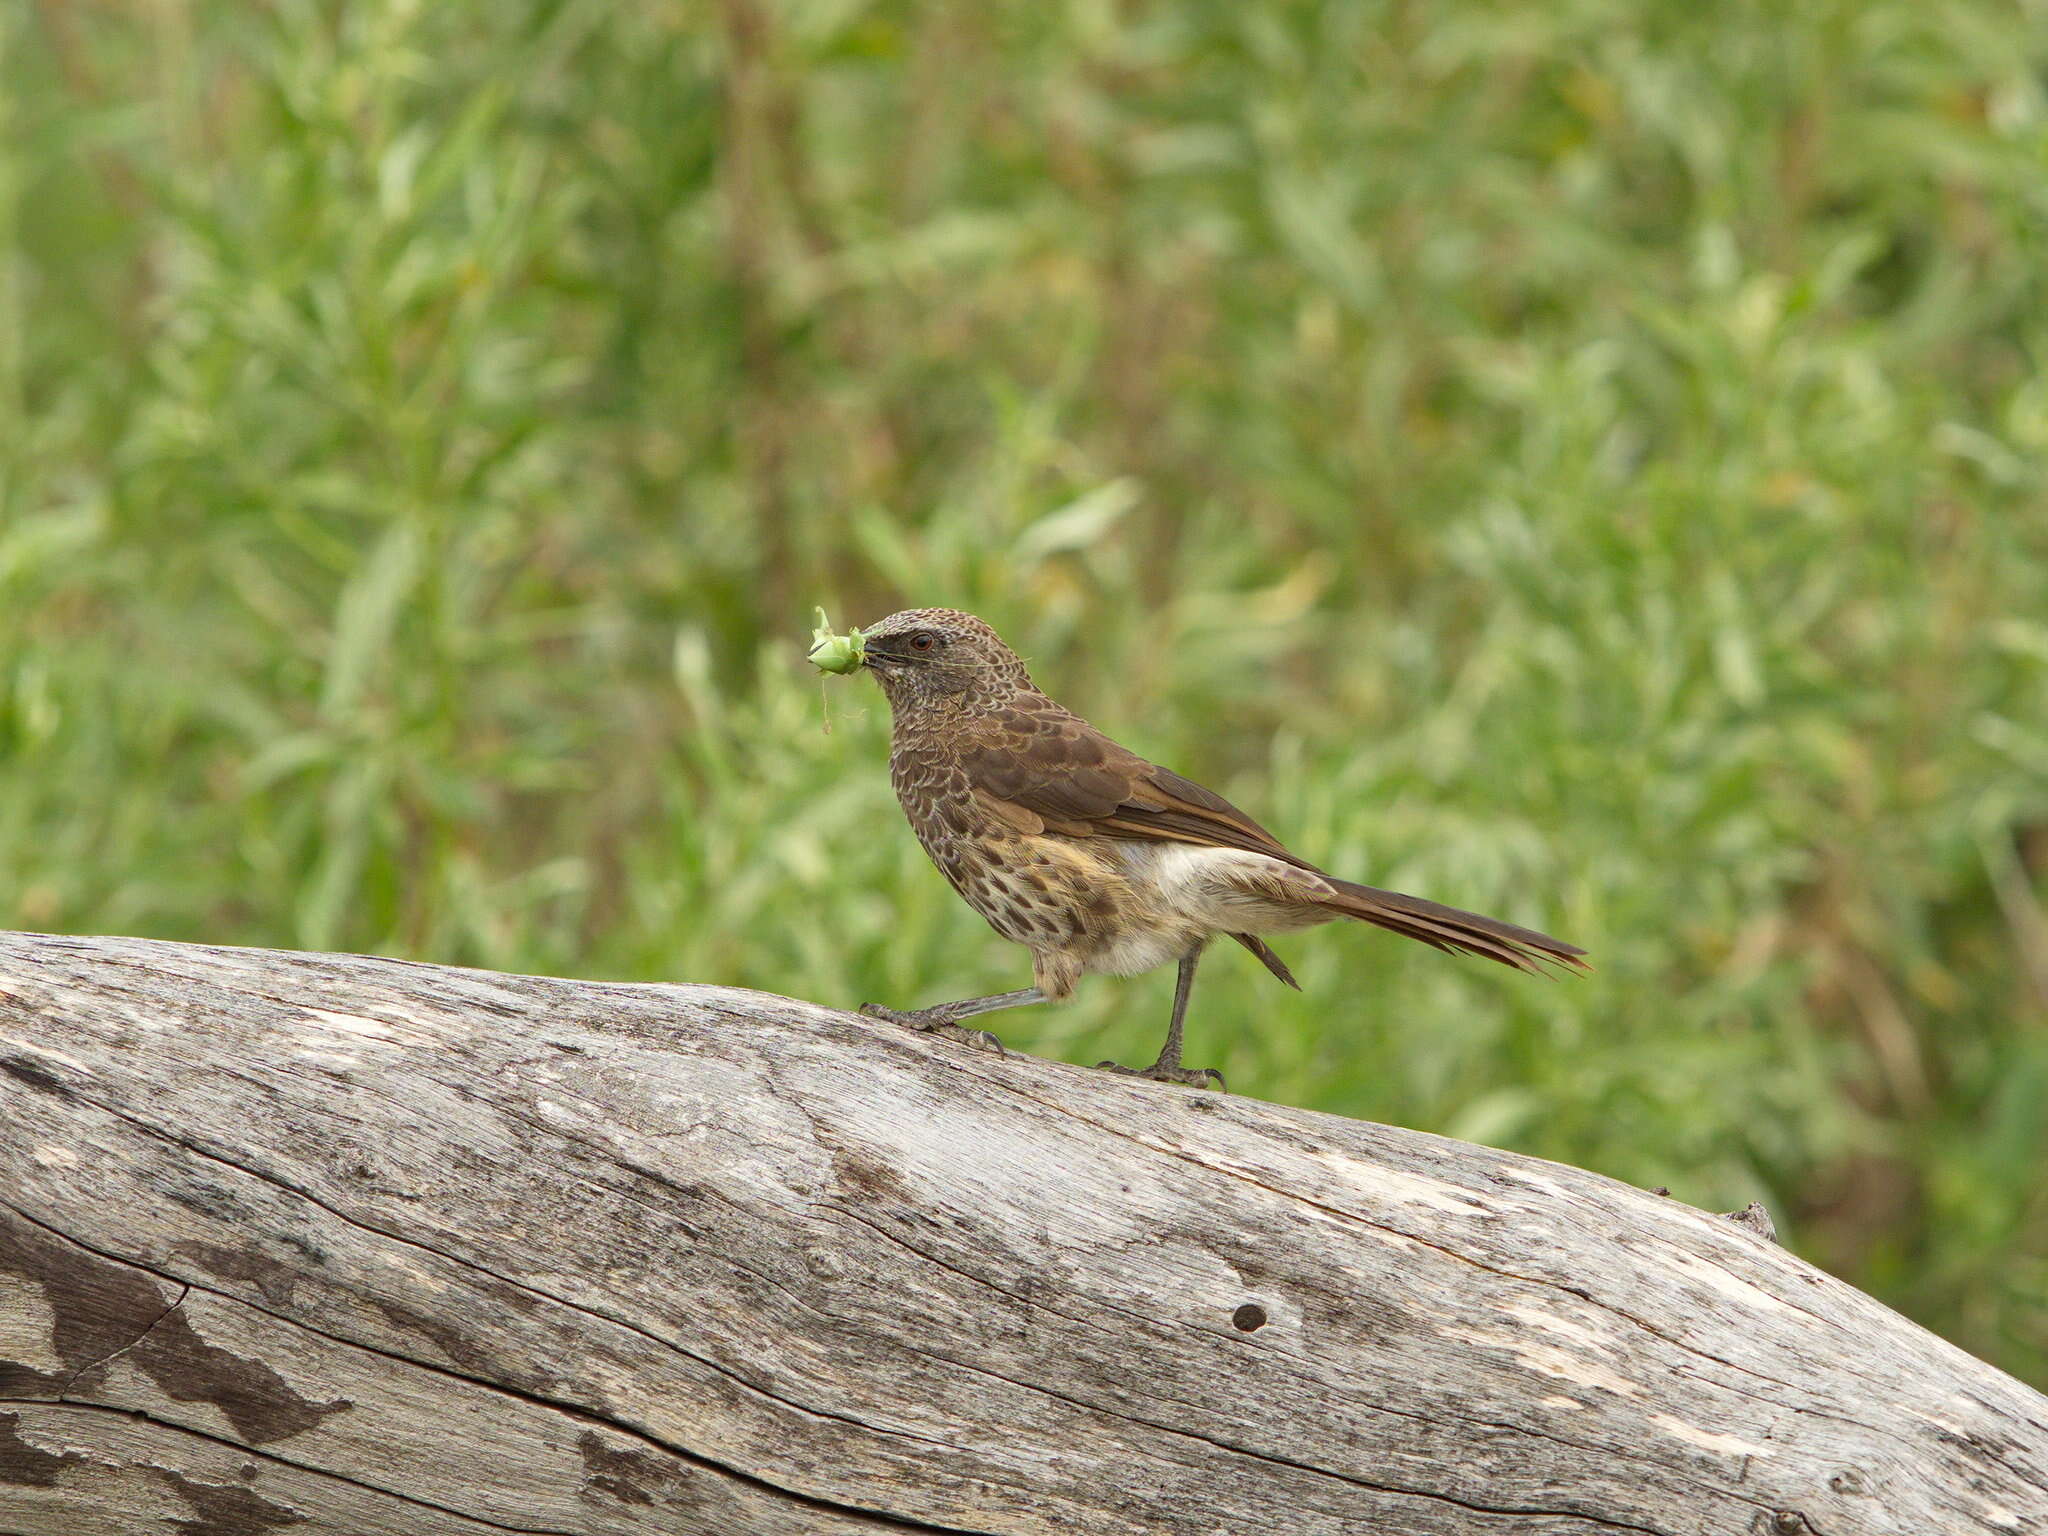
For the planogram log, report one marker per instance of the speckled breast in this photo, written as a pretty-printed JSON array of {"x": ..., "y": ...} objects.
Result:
[{"x": 1016, "y": 882}]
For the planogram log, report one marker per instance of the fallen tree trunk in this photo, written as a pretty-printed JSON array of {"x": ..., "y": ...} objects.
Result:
[{"x": 338, "y": 1244}]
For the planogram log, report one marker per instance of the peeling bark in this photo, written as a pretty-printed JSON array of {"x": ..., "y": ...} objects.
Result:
[{"x": 325, "y": 1244}]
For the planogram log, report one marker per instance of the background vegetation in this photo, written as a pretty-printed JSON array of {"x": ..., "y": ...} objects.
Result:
[{"x": 1579, "y": 461}]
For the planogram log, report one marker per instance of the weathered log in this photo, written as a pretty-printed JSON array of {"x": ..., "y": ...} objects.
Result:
[{"x": 334, "y": 1244}]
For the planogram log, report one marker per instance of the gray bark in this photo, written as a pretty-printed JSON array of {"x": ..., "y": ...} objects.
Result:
[{"x": 322, "y": 1243}]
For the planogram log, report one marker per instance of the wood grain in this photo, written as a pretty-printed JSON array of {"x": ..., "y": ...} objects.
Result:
[{"x": 323, "y": 1243}]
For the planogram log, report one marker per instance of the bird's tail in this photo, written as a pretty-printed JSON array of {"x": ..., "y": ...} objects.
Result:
[{"x": 1447, "y": 928}]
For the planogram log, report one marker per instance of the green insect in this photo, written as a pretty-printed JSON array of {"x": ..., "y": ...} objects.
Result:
[{"x": 834, "y": 653}]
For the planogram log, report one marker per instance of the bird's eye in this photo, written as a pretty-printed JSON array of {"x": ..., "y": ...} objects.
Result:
[{"x": 923, "y": 640}]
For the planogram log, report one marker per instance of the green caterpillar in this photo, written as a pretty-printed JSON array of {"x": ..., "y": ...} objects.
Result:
[{"x": 835, "y": 653}]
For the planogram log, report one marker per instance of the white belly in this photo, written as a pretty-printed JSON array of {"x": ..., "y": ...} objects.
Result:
[{"x": 1197, "y": 892}]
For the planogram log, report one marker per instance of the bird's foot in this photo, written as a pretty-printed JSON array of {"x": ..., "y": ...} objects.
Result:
[
  {"x": 1171, "y": 1072},
  {"x": 935, "y": 1021}
]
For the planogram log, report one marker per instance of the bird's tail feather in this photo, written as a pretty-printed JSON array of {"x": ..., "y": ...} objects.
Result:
[
  {"x": 1267, "y": 958},
  {"x": 1447, "y": 928}
]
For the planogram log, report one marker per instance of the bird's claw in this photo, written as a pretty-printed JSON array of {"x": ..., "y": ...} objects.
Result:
[
  {"x": 934, "y": 1021},
  {"x": 1160, "y": 1072}
]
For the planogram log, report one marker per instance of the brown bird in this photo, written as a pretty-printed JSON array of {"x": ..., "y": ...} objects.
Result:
[{"x": 1093, "y": 858}]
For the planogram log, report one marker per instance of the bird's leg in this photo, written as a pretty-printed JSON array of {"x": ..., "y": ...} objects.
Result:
[
  {"x": 1167, "y": 1069},
  {"x": 944, "y": 1018}
]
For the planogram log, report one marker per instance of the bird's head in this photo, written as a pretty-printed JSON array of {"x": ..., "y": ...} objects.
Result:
[{"x": 925, "y": 655}]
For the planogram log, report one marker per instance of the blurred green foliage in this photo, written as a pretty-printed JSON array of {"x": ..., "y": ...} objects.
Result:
[{"x": 1582, "y": 462}]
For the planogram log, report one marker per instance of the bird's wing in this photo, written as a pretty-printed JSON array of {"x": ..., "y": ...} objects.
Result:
[
  {"x": 1042, "y": 769},
  {"x": 1041, "y": 763}
]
